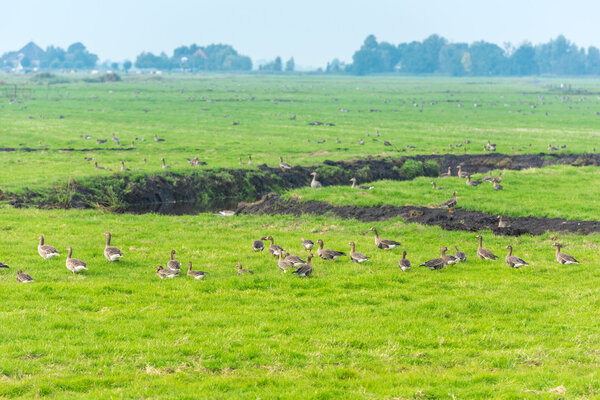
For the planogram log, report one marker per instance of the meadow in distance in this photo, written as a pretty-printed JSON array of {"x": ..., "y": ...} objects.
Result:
[{"x": 478, "y": 329}]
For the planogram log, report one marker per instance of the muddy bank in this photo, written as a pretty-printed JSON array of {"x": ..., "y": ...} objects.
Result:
[
  {"x": 65, "y": 150},
  {"x": 463, "y": 220},
  {"x": 206, "y": 190}
]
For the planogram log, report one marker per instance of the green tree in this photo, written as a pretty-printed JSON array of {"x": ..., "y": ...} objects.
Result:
[
  {"x": 114, "y": 66},
  {"x": 290, "y": 65},
  {"x": 127, "y": 65}
]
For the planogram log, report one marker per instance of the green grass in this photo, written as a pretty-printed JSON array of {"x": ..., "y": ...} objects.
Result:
[
  {"x": 195, "y": 116},
  {"x": 556, "y": 191},
  {"x": 477, "y": 330}
]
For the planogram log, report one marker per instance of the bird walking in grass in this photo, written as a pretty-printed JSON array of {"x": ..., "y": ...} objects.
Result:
[
  {"x": 460, "y": 255},
  {"x": 258, "y": 245},
  {"x": 306, "y": 269},
  {"x": 284, "y": 265},
  {"x": 74, "y": 265},
  {"x": 450, "y": 204},
  {"x": 328, "y": 254},
  {"x": 404, "y": 263},
  {"x": 355, "y": 256},
  {"x": 45, "y": 250},
  {"x": 283, "y": 165},
  {"x": 484, "y": 253},
  {"x": 315, "y": 184},
  {"x": 294, "y": 259},
  {"x": 23, "y": 277},
  {"x": 563, "y": 258},
  {"x": 449, "y": 259},
  {"x": 111, "y": 252},
  {"x": 274, "y": 249},
  {"x": 384, "y": 244},
  {"x": 435, "y": 264},
  {"x": 173, "y": 264},
  {"x": 514, "y": 261},
  {"x": 355, "y": 186},
  {"x": 307, "y": 244}
]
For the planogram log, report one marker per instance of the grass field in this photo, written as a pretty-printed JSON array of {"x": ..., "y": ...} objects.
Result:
[
  {"x": 196, "y": 116},
  {"x": 557, "y": 192},
  {"x": 474, "y": 330}
]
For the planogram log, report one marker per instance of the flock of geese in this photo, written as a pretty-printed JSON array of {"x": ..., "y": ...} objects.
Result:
[{"x": 286, "y": 261}]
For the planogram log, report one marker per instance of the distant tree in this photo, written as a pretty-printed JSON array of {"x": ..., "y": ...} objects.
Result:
[
  {"x": 523, "y": 61},
  {"x": 290, "y": 65},
  {"x": 273, "y": 66},
  {"x": 487, "y": 59},
  {"x": 592, "y": 62},
  {"x": 114, "y": 66},
  {"x": 151, "y": 61},
  {"x": 374, "y": 57},
  {"x": 277, "y": 65},
  {"x": 561, "y": 57},
  {"x": 335, "y": 67},
  {"x": 78, "y": 57},
  {"x": 466, "y": 62},
  {"x": 127, "y": 65},
  {"x": 451, "y": 57},
  {"x": 54, "y": 58}
]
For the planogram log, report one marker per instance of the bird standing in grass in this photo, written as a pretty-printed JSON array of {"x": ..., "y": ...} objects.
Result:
[
  {"x": 564, "y": 258},
  {"x": 307, "y": 244},
  {"x": 274, "y": 249},
  {"x": 45, "y": 250},
  {"x": 283, "y": 165},
  {"x": 315, "y": 184},
  {"x": 173, "y": 264},
  {"x": 460, "y": 255},
  {"x": 328, "y": 254},
  {"x": 242, "y": 271},
  {"x": 23, "y": 277},
  {"x": 306, "y": 269},
  {"x": 449, "y": 204},
  {"x": 110, "y": 252},
  {"x": 195, "y": 274},
  {"x": 355, "y": 256},
  {"x": 514, "y": 261},
  {"x": 258, "y": 245},
  {"x": 435, "y": 263},
  {"x": 404, "y": 263},
  {"x": 384, "y": 244},
  {"x": 74, "y": 265},
  {"x": 166, "y": 273},
  {"x": 484, "y": 253}
]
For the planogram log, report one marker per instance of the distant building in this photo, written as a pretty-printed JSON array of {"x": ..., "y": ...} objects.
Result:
[{"x": 28, "y": 57}]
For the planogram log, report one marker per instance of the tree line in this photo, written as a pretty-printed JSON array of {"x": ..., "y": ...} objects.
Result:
[{"x": 435, "y": 55}]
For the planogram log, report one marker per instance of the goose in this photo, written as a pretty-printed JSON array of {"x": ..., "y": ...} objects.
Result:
[
  {"x": 404, "y": 263},
  {"x": 461, "y": 173},
  {"x": 499, "y": 177},
  {"x": 306, "y": 269},
  {"x": 361, "y": 142},
  {"x": 294, "y": 259},
  {"x": 284, "y": 265},
  {"x": 460, "y": 255},
  {"x": 449, "y": 204},
  {"x": 447, "y": 174},
  {"x": 101, "y": 141},
  {"x": 283, "y": 165},
  {"x": 123, "y": 166},
  {"x": 45, "y": 250},
  {"x": 449, "y": 259},
  {"x": 436, "y": 187},
  {"x": 355, "y": 256},
  {"x": 157, "y": 139},
  {"x": 488, "y": 177},
  {"x": 2, "y": 265},
  {"x": 110, "y": 252},
  {"x": 250, "y": 160},
  {"x": 563, "y": 258},
  {"x": 514, "y": 261},
  {"x": 307, "y": 244},
  {"x": 436, "y": 263},
  {"x": 484, "y": 253},
  {"x": 164, "y": 165},
  {"x": 195, "y": 274},
  {"x": 355, "y": 186},
  {"x": 497, "y": 186},
  {"x": 173, "y": 264},
  {"x": 384, "y": 243},
  {"x": 315, "y": 184},
  {"x": 240, "y": 161},
  {"x": 225, "y": 213},
  {"x": 274, "y": 249},
  {"x": 195, "y": 162},
  {"x": 74, "y": 265},
  {"x": 23, "y": 277},
  {"x": 166, "y": 273},
  {"x": 96, "y": 166},
  {"x": 258, "y": 245},
  {"x": 472, "y": 183},
  {"x": 328, "y": 254},
  {"x": 114, "y": 138},
  {"x": 242, "y": 271},
  {"x": 501, "y": 223}
]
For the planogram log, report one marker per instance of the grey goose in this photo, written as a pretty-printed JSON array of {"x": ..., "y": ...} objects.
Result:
[
  {"x": 484, "y": 253},
  {"x": 45, "y": 250},
  {"x": 74, "y": 265},
  {"x": 355, "y": 256},
  {"x": 195, "y": 274},
  {"x": 173, "y": 264},
  {"x": 384, "y": 244},
  {"x": 306, "y": 269},
  {"x": 563, "y": 258},
  {"x": 328, "y": 254},
  {"x": 514, "y": 261},
  {"x": 111, "y": 252},
  {"x": 23, "y": 277}
]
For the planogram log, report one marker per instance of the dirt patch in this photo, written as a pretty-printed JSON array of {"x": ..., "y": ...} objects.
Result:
[
  {"x": 67, "y": 150},
  {"x": 464, "y": 220}
]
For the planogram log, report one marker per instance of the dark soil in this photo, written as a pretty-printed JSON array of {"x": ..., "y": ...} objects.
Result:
[
  {"x": 464, "y": 220},
  {"x": 30, "y": 149}
]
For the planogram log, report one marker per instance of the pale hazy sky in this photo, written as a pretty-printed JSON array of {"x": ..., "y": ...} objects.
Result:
[{"x": 312, "y": 31}]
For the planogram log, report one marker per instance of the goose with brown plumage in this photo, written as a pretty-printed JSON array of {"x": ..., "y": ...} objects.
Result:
[
  {"x": 461, "y": 173},
  {"x": 306, "y": 269},
  {"x": 435, "y": 263},
  {"x": 111, "y": 252},
  {"x": 355, "y": 256},
  {"x": 384, "y": 244},
  {"x": 449, "y": 259},
  {"x": 74, "y": 265},
  {"x": 195, "y": 274},
  {"x": 258, "y": 245},
  {"x": 484, "y": 253},
  {"x": 274, "y": 249},
  {"x": 404, "y": 263},
  {"x": 173, "y": 264},
  {"x": 166, "y": 273},
  {"x": 355, "y": 186},
  {"x": 294, "y": 259},
  {"x": 447, "y": 174},
  {"x": 501, "y": 222},
  {"x": 564, "y": 258},
  {"x": 436, "y": 187},
  {"x": 471, "y": 182},
  {"x": 307, "y": 244},
  {"x": 497, "y": 186},
  {"x": 283, "y": 264},
  {"x": 242, "y": 271},
  {"x": 460, "y": 255},
  {"x": 514, "y": 261},
  {"x": 328, "y": 254},
  {"x": 23, "y": 277},
  {"x": 283, "y": 165},
  {"x": 449, "y": 204},
  {"x": 315, "y": 184},
  {"x": 45, "y": 250}
]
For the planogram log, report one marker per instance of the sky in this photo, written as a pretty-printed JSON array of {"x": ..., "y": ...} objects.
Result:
[{"x": 312, "y": 31}]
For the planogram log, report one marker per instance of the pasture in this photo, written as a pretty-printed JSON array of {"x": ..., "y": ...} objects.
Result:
[{"x": 477, "y": 329}]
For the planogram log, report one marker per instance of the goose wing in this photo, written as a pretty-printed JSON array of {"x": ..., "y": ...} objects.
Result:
[
  {"x": 515, "y": 261},
  {"x": 389, "y": 243},
  {"x": 564, "y": 258},
  {"x": 404, "y": 264},
  {"x": 485, "y": 254},
  {"x": 329, "y": 254},
  {"x": 449, "y": 203},
  {"x": 436, "y": 263},
  {"x": 358, "y": 257},
  {"x": 304, "y": 270}
]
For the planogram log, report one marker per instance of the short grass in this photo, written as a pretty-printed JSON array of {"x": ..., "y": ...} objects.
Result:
[
  {"x": 556, "y": 191},
  {"x": 196, "y": 115},
  {"x": 477, "y": 330}
]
